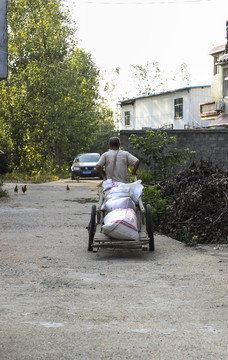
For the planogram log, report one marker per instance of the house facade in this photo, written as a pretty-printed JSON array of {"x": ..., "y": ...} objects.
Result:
[{"x": 176, "y": 109}]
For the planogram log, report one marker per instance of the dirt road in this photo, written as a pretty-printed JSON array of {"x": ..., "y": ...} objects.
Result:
[{"x": 61, "y": 302}]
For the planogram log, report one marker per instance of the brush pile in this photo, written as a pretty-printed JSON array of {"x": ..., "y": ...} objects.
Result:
[{"x": 198, "y": 212}]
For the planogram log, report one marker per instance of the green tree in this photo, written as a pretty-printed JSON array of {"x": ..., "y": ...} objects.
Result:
[{"x": 49, "y": 101}]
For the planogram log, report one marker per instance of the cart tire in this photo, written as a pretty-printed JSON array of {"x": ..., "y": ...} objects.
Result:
[
  {"x": 149, "y": 227},
  {"x": 92, "y": 227}
]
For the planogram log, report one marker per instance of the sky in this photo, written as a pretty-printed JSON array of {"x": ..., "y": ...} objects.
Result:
[{"x": 122, "y": 33}]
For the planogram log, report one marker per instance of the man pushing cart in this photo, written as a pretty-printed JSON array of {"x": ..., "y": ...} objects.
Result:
[
  {"x": 114, "y": 163},
  {"x": 120, "y": 212}
]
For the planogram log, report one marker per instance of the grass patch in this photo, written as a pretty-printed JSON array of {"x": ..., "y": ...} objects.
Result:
[{"x": 36, "y": 178}]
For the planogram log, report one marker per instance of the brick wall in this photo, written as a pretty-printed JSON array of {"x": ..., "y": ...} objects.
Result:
[{"x": 210, "y": 144}]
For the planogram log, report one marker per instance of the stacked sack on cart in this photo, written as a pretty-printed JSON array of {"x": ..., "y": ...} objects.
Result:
[{"x": 120, "y": 201}]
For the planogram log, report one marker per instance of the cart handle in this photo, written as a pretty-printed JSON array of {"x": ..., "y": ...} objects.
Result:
[{"x": 141, "y": 206}]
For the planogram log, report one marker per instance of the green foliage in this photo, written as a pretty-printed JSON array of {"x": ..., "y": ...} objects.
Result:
[
  {"x": 156, "y": 151},
  {"x": 36, "y": 177},
  {"x": 42, "y": 177},
  {"x": 49, "y": 103},
  {"x": 152, "y": 196},
  {"x": 148, "y": 177}
]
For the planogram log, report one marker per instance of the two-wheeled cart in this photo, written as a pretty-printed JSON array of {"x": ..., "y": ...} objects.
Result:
[{"x": 97, "y": 239}]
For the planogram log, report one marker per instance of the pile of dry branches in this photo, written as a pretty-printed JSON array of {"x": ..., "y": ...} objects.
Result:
[{"x": 199, "y": 210}]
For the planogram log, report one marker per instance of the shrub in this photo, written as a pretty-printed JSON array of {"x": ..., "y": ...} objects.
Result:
[
  {"x": 155, "y": 149},
  {"x": 152, "y": 196}
]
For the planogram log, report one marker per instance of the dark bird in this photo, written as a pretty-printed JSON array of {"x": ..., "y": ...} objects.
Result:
[
  {"x": 68, "y": 188},
  {"x": 24, "y": 188},
  {"x": 16, "y": 189},
  {"x": 77, "y": 178}
]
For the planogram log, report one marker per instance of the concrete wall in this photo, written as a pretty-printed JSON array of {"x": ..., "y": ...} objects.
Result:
[{"x": 210, "y": 144}]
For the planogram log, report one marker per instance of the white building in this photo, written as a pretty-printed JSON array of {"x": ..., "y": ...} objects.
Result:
[{"x": 176, "y": 109}]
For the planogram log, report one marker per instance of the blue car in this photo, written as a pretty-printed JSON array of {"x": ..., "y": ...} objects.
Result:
[{"x": 84, "y": 165}]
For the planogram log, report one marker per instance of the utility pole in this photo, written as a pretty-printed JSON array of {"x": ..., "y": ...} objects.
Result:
[
  {"x": 226, "y": 50},
  {"x": 3, "y": 40}
]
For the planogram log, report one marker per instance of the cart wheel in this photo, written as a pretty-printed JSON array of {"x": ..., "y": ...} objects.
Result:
[
  {"x": 149, "y": 227},
  {"x": 91, "y": 227}
]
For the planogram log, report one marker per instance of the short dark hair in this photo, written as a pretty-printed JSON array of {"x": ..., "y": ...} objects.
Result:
[{"x": 114, "y": 141}]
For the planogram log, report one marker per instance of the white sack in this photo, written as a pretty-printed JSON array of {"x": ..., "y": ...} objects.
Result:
[
  {"x": 133, "y": 190},
  {"x": 121, "y": 224},
  {"x": 107, "y": 187},
  {"x": 119, "y": 203},
  {"x": 108, "y": 184}
]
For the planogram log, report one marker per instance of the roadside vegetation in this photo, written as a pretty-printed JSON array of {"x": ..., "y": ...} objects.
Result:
[{"x": 38, "y": 178}]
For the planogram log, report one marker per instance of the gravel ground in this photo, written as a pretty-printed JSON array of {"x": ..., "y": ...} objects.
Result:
[{"x": 61, "y": 302}]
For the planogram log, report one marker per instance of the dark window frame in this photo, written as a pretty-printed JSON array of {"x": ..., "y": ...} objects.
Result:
[
  {"x": 178, "y": 108},
  {"x": 216, "y": 66},
  {"x": 127, "y": 118}
]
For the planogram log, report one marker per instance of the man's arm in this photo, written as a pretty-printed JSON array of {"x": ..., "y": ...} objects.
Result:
[
  {"x": 135, "y": 168},
  {"x": 101, "y": 171}
]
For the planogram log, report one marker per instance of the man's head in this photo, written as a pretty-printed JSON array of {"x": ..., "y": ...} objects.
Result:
[{"x": 114, "y": 143}]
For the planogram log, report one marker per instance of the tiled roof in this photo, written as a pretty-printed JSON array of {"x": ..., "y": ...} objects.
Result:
[
  {"x": 187, "y": 88},
  {"x": 217, "y": 49}
]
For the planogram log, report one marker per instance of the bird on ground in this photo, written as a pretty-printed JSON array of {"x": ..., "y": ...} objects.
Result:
[
  {"x": 68, "y": 188},
  {"x": 24, "y": 188},
  {"x": 16, "y": 189},
  {"x": 77, "y": 178}
]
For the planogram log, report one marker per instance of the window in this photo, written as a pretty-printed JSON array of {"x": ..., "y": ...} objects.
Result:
[
  {"x": 127, "y": 116},
  {"x": 216, "y": 67},
  {"x": 225, "y": 82},
  {"x": 178, "y": 108}
]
